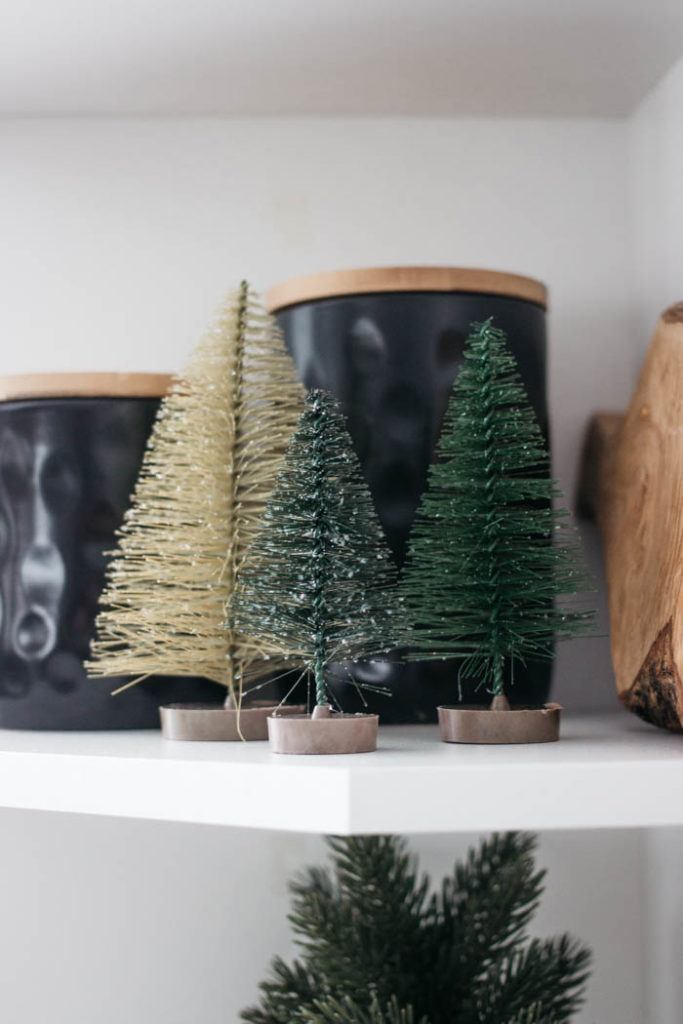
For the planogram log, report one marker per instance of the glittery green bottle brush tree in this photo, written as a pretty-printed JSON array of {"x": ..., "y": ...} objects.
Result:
[
  {"x": 319, "y": 583},
  {"x": 489, "y": 557}
]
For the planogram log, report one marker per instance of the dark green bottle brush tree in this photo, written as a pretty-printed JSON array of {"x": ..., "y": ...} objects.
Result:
[
  {"x": 489, "y": 556},
  {"x": 379, "y": 946},
  {"x": 318, "y": 583}
]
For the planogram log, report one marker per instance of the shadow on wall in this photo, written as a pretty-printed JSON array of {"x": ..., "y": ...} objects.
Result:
[{"x": 582, "y": 674}]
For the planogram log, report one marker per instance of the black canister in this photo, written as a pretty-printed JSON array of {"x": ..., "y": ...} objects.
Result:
[
  {"x": 388, "y": 343},
  {"x": 70, "y": 450}
]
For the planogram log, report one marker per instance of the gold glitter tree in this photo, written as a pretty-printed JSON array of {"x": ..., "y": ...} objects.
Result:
[{"x": 211, "y": 462}]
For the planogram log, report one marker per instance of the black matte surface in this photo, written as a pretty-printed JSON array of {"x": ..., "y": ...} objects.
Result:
[
  {"x": 67, "y": 468},
  {"x": 391, "y": 360}
]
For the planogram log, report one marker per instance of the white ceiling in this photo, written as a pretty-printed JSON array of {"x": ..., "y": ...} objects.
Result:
[{"x": 363, "y": 57}]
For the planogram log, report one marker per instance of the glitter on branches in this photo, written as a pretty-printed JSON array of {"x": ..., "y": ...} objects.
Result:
[
  {"x": 319, "y": 583},
  {"x": 211, "y": 461}
]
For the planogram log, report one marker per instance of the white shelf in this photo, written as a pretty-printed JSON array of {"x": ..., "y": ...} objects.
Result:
[{"x": 607, "y": 771}]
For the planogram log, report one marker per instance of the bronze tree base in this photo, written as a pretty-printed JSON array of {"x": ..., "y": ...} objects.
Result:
[
  {"x": 324, "y": 732},
  {"x": 215, "y": 723},
  {"x": 471, "y": 724}
]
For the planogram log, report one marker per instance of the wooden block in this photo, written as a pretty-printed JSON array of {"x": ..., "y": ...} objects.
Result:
[{"x": 639, "y": 507}]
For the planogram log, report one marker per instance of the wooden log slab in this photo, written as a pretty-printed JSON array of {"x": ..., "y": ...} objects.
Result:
[{"x": 637, "y": 492}]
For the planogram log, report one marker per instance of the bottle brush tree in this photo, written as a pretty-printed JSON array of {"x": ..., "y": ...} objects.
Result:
[
  {"x": 212, "y": 459},
  {"x": 378, "y": 947},
  {"x": 319, "y": 583},
  {"x": 489, "y": 556}
]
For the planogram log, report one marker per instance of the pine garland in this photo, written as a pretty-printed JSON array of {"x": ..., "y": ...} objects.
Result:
[
  {"x": 319, "y": 583},
  {"x": 211, "y": 461},
  {"x": 488, "y": 553},
  {"x": 377, "y": 948}
]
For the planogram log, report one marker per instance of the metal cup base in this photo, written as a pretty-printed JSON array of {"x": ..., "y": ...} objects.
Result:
[
  {"x": 468, "y": 724},
  {"x": 214, "y": 723},
  {"x": 336, "y": 734}
]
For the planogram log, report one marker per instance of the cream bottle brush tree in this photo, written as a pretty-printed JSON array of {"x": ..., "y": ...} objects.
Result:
[{"x": 215, "y": 450}]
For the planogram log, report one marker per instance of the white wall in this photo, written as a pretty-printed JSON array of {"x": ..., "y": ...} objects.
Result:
[
  {"x": 118, "y": 239},
  {"x": 105, "y": 921},
  {"x": 656, "y": 182},
  {"x": 663, "y": 925},
  {"x": 120, "y": 236}
]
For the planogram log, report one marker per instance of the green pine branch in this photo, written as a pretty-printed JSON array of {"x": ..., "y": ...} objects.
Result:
[
  {"x": 347, "y": 1011},
  {"x": 480, "y": 914},
  {"x": 534, "y": 1015},
  {"x": 489, "y": 554},
  {"x": 375, "y": 948},
  {"x": 283, "y": 995},
  {"x": 350, "y": 932},
  {"x": 556, "y": 967}
]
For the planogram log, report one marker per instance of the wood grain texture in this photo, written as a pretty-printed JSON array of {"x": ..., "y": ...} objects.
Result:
[
  {"x": 404, "y": 279},
  {"x": 83, "y": 385},
  {"x": 640, "y": 512}
]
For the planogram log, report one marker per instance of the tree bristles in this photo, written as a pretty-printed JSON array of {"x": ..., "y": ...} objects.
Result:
[
  {"x": 319, "y": 582},
  {"x": 488, "y": 554},
  {"x": 211, "y": 461}
]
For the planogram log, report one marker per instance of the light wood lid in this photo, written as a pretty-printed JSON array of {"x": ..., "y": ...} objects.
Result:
[
  {"x": 404, "y": 279},
  {"x": 84, "y": 385}
]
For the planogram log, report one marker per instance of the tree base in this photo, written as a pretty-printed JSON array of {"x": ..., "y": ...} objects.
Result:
[
  {"x": 471, "y": 724},
  {"x": 215, "y": 723},
  {"x": 324, "y": 732}
]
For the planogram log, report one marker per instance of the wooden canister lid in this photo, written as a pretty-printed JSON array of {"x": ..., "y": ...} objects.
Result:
[
  {"x": 83, "y": 385},
  {"x": 404, "y": 279}
]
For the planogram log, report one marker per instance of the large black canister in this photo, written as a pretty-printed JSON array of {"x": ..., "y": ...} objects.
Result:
[
  {"x": 388, "y": 343},
  {"x": 70, "y": 450}
]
